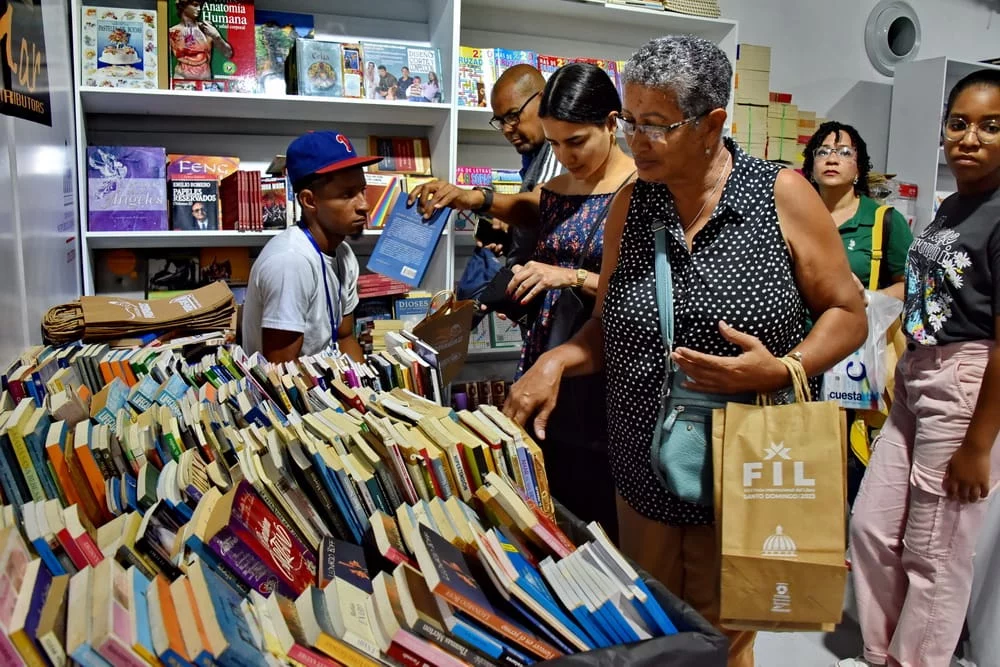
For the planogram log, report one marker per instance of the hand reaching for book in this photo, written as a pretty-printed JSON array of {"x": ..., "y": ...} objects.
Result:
[
  {"x": 535, "y": 394},
  {"x": 435, "y": 195}
]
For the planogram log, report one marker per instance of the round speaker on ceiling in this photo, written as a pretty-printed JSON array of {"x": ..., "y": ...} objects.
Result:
[{"x": 892, "y": 35}]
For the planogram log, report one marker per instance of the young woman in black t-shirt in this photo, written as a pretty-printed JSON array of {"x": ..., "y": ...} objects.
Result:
[{"x": 922, "y": 503}]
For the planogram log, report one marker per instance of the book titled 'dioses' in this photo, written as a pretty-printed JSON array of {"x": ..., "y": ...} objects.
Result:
[{"x": 126, "y": 188}]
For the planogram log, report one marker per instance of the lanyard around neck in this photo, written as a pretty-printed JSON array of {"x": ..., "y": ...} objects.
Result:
[{"x": 326, "y": 282}]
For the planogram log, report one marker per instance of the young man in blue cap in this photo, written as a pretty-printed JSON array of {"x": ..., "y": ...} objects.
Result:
[{"x": 304, "y": 285}]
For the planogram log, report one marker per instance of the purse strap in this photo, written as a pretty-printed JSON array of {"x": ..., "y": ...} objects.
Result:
[
  {"x": 597, "y": 223},
  {"x": 878, "y": 243},
  {"x": 664, "y": 292}
]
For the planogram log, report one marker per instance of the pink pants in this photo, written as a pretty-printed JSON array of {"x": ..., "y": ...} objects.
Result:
[{"x": 911, "y": 547}]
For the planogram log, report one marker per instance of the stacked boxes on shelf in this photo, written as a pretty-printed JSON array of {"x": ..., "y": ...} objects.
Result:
[
  {"x": 782, "y": 128},
  {"x": 752, "y": 82}
]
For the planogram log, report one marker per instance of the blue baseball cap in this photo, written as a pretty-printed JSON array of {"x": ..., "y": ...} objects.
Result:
[{"x": 321, "y": 153}]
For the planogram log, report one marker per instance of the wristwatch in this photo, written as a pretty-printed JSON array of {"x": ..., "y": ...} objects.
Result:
[
  {"x": 487, "y": 200},
  {"x": 581, "y": 278}
]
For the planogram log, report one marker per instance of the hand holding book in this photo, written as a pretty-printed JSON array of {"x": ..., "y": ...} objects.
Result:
[{"x": 433, "y": 196}]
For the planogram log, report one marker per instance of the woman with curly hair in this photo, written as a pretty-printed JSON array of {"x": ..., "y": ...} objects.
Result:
[
  {"x": 837, "y": 164},
  {"x": 191, "y": 42}
]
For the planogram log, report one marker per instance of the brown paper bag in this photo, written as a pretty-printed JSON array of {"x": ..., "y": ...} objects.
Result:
[
  {"x": 782, "y": 513},
  {"x": 447, "y": 329}
]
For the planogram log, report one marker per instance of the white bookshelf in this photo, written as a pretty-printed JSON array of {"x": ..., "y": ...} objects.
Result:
[
  {"x": 919, "y": 93},
  {"x": 256, "y": 127}
]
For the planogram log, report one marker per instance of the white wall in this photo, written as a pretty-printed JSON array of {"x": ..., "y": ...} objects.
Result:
[
  {"x": 818, "y": 52},
  {"x": 39, "y": 266}
]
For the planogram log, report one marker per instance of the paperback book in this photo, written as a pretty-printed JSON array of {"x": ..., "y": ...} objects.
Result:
[
  {"x": 276, "y": 33},
  {"x": 406, "y": 72},
  {"x": 315, "y": 68},
  {"x": 404, "y": 250},
  {"x": 119, "y": 48},
  {"x": 194, "y": 205},
  {"x": 127, "y": 189},
  {"x": 212, "y": 46}
]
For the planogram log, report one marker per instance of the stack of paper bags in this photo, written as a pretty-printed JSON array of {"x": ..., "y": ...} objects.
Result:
[{"x": 209, "y": 308}]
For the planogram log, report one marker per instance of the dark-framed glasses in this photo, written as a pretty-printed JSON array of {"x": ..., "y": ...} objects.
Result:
[
  {"x": 988, "y": 131},
  {"x": 656, "y": 133},
  {"x": 511, "y": 119},
  {"x": 843, "y": 152}
]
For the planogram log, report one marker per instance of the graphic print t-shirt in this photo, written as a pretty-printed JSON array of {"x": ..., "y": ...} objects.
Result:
[{"x": 953, "y": 273}]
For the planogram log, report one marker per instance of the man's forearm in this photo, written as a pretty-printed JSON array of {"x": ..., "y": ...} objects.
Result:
[{"x": 350, "y": 346}]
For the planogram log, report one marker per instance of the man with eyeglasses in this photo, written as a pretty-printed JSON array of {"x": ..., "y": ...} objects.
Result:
[{"x": 515, "y": 99}]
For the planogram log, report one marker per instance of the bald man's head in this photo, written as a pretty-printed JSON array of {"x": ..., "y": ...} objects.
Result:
[{"x": 516, "y": 86}]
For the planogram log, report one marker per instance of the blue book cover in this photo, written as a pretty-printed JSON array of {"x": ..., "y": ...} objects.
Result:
[
  {"x": 140, "y": 584},
  {"x": 210, "y": 559},
  {"x": 338, "y": 495},
  {"x": 35, "y": 440},
  {"x": 466, "y": 630},
  {"x": 407, "y": 243},
  {"x": 349, "y": 565},
  {"x": 242, "y": 650},
  {"x": 531, "y": 583},
  {"x": 654, "y": 610},
  {"x": 114, "y": 400}
]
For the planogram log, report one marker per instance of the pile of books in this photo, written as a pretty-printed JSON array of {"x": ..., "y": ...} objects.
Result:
[
  {"x": 479, "y": 69},
  {"x": 239, "y": 512}
]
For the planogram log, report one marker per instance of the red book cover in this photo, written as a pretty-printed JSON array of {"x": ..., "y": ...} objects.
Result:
[
  {"x": 258, "y": 210},
  {"x": 227, "y": 193},
  {"x": 212, "y": 46},
  {"x": 293, "y": 561}
]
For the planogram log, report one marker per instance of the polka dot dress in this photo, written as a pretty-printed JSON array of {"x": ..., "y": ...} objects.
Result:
[{"x": 739, "y": 271}]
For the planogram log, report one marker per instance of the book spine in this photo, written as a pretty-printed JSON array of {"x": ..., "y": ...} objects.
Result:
[
  {"x": 353, "y": 497},
  {"x": 309, "y": 658},
  {"x": 505, "y": 628},
  {"x": 88, "y": 547},
  {"x": 450, "y": 644},
  {"x": 409, "y": 490},
  {"x": 29, "y": 654},
  {"x": 51, "y": 646},
  {"x": 72, "y": 549},
  {"x": 330, "y": 514},
  {"x": 118, "y": 654},
  {"x": 217, "y": 565},
  {"x": 128, "y": 557},
  {"x": 27, "y": 465},
  {"x": 246, "y": 564},
  {"x": 405, "y": 657}
]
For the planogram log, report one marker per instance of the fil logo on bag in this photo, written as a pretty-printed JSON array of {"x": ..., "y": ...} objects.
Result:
[
  {"x": 781, "y": 603},
  {"x": 779, "y": 545},
  {"x": 784, "y": 479}
]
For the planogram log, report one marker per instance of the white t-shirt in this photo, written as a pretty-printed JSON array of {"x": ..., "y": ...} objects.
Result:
[{"x": 286, "y": 291}]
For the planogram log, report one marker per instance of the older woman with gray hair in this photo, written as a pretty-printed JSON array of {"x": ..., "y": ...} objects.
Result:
[{"x": 753, "y": 256}]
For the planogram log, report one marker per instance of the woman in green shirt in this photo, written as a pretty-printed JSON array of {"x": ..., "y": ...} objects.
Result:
[{"x": 837, "y": 164}]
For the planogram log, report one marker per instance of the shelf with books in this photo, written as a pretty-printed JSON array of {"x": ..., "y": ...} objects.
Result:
[{"x": 199, "y": 104}]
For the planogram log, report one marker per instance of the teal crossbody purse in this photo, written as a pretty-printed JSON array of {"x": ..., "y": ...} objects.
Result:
[{"x": 681, "y": 451}]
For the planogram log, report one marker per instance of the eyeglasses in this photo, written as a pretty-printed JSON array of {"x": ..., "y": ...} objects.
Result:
[
  {"x": 956, "y": 129},
  {"x": 655, "y": 133},
  {"x": 844, "y": 152},
  {"x": 511, "y": 119}
]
